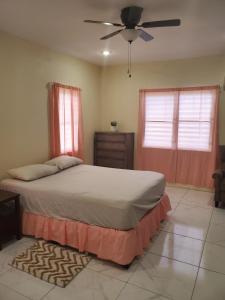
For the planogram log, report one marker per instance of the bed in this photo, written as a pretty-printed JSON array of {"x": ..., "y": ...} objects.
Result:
[{"x": 109, "y": 212}]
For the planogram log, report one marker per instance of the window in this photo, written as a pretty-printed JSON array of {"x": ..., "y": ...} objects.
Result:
[
  {"x": 179, "y": 119},
  {"x": 66, "y": 121},
  {"x": 178, "y": 134}
]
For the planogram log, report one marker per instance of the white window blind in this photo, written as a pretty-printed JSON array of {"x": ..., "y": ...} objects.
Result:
[
  {"x": 179, "y": 119},
  {"x": 159, "y": 120},
  {"x": 195, "y": 120},
  {"x": 68, "y": 121}
]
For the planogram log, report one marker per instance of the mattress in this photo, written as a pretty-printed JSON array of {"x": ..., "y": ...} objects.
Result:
[{"x": 112, "y": 198}]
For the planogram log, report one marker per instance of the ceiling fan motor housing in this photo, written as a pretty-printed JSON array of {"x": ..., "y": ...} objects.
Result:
[{"x": 131, "y": 16}]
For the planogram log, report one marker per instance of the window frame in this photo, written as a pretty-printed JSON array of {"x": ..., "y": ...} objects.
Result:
[{"x": 176, "y": 120}]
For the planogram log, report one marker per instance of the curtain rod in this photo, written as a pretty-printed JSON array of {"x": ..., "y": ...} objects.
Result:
[{"x": 49, "y": 84}]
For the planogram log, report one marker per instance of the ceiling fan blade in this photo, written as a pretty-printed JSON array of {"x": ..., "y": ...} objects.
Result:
[
  {"x": 162, "y": 23},
  {"x": 104, "y": 23},
  {"x": 144, "y": 35},
  {"x": 110, "y": 35}
]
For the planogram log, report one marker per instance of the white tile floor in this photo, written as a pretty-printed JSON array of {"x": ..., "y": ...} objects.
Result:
[{"x": 185, "y": 260}]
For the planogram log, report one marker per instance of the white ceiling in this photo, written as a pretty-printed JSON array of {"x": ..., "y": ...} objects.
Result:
[{"x": 59, "y": 25}]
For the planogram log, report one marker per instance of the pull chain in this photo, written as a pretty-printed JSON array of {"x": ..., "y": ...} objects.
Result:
[{"x": 129, "y": 59}]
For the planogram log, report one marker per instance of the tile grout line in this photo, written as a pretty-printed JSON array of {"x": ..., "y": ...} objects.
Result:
[
  {"x": 141, "y": 288},
  {"x": 215, "y": 243},
  {"x": 203, "y": 268},
  {"x": 186, "y": 192},
  {"x": 197, "y": 206},
  {"x": 202, "y": 255},
  {"x": 192, "y": 188},
  {"x": 184, "y": 262},
  {"x": 175, "y": 207},
  {"x": 42, "y": 298},
  {"x": 110, "y": 276},
  {"x": 179, "y": 201},
  {"x": 3, "y": 273},
  {"x": 182, "y": 198},
  {"x": 153, "y": 292},
  {"x": 125, "y": 284},
  {"x": 182, "y": 235},
  {"x": 16, "y": 292}
]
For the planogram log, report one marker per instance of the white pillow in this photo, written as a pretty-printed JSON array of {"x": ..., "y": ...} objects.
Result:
[
  {"x": 64, "y": 161},
  {"x": 32, "y": 172}
]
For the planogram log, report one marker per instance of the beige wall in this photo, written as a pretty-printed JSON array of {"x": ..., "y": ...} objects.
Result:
[
  {"x": 25, "y": 69},
  {"x": 107, "y": 94},
  {"x": 119, "y": 94}
]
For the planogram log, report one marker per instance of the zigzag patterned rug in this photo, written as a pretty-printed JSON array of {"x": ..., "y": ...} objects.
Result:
[{"x": 51, "y": 263}]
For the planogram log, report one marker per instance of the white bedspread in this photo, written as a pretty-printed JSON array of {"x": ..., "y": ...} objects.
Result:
[{"x": 106, "y": 197}]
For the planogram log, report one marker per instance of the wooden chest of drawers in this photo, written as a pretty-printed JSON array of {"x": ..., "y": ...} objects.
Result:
[{"x": 114, "y": 149}]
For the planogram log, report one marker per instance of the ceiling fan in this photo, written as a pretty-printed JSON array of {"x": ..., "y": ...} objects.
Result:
[{"x": 131, "y": 29}]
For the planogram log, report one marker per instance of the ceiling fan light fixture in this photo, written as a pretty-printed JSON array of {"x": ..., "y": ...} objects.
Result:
[{"x": 129, "y": 35}]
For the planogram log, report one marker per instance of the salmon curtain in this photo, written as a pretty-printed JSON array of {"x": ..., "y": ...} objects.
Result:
[
  {"x": 184, "y": 166},
  {"x": 66, "y": 126},
  {"x": 154, "y": 159}
]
